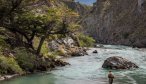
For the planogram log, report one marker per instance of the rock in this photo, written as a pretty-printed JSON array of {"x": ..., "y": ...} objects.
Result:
[
  {"x": 53, "y": 45},
  {"x": 61, "y": 46},
  {"x": 78, "y": 52},
  {"x": 8, "y": 76},
  {"x": 64, "y": 42},
  {"x": 58, "y": 62},
  {"x": 67, "y": 47},
  {"x": 2, "y": 78},
  {"x": 81, "y": 9},
  {"x": 95, "y": 51},
  {"x": 118, "y": 63},
  {"x": 68, "y": 41},
  {"x": 125, "y": 29},
  {"x": 5, "y": 77},
  {"x": 140, "y": 43}
]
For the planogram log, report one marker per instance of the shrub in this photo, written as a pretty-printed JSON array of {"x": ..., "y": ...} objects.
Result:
[
  {"x": 61, "y": 52},
  {"x": 86, "y": 41},
  {"x": 52, "y": 55},
  {"x": 25, "y": 59},
  {"x": 8, "y": 65},
  {"x": 45, "y": 49},
  {"x": 3, "y": 44}
]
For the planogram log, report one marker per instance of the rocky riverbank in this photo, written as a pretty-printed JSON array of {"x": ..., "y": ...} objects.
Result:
[
  {"x": 43, "y": 67},
  {"x": 88, "y": 68},
  {"x": 27, "y": 63},
  {"x": 67, "y": 47},
  {"x": 24, "y": 41},
  {"x": 6, "y": 77}
]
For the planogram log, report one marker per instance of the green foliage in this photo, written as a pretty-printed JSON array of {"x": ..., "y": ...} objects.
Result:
[
  {"x": 25, "y": 59},
  {"x": 28, "y": 22},
  {"x": 73, "y": 27},
  {"x": 61, "y": 52},
  {"x": 86, "y": 41},
  {"x": 8, "y": 65},
  {"x": 34, "y": 20},
  {"x": 45, "y": 48},
  {"x": 3, "y": 44},
  {"x": 28, "y": 25},
  {"x": 52, "y": 55}
]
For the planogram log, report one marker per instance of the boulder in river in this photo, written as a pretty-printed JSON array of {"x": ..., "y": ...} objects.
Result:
[
  {"x": 117, "y": 62},
  {"x": 95, "y": 51}
]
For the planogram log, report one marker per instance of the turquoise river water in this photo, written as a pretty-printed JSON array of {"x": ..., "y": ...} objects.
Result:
[{"x": 88, "y": 69}]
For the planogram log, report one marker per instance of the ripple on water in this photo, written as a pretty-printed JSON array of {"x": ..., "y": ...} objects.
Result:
[{"x": 88, "y": 70}]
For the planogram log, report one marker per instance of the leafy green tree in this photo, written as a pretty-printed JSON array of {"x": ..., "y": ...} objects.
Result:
[{"x": 27, "y": 22}]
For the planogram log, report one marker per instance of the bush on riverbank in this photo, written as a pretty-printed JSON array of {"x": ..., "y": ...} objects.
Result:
[
  {"x": 8, "y": 65},
  {"x": 25, "y": 59},
  {"x": 86, "y": 41},
  {"x": 21, "y": 60},
  {"x": 26, "y": 32}
]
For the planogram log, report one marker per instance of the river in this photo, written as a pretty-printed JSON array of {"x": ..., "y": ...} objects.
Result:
[{"x": 88, "y": 70}]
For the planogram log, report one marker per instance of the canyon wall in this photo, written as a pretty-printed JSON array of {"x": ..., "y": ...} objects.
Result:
[{"x": 117, "y": 22}]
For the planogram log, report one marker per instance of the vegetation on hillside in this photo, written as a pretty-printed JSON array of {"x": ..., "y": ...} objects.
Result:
[
  {"x": 86, "y": 41},
  {"x": 26, "y": 26}
]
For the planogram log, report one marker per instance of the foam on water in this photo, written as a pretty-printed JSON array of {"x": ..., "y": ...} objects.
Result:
[{"x": 88, "y": 70}]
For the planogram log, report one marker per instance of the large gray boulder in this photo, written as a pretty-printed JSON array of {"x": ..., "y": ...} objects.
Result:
[{"x": 117, "y": 62}]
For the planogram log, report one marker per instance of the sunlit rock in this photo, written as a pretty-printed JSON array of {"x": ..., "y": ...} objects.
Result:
[{"x": 118, "y": 63}]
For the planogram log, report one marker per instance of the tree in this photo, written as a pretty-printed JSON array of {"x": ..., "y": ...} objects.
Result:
[
  {"x": 27, "y": 21},
  {"x": 15, "y": 17}
]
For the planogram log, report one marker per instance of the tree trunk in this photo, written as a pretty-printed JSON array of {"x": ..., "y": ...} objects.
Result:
[
  {"x": 40, "y": 44},
  {"x": 30, "y": 41},
  {"x": 48, "y": 28}
]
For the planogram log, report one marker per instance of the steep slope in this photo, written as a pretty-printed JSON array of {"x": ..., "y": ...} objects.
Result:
[
  {"x": 82, "y": 9},
  {"x": 118, "y": 22},
  {"x": 23, "y": 26}
]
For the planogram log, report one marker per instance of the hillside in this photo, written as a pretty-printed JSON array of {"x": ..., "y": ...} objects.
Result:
[
  {"x": 117, "y": 22},
  {"x": 35, "y": 34}
]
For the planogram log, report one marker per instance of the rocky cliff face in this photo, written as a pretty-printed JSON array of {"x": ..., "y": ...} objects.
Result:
[
  {"x": 81, "y": 9},
  {"x": 118, "y": 22}
]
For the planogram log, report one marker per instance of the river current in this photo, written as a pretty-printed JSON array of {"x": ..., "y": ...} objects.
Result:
[{"x": 88, "y": 69}]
